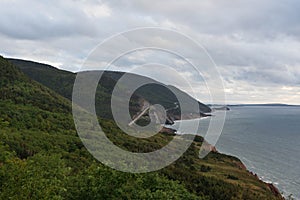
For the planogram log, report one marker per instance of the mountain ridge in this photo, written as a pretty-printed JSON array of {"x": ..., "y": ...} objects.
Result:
[{"x": 62, "y": 82}]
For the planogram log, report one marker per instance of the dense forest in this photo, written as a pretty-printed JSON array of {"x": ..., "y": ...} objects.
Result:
[
  {"x": 62, "y": 82},
  {"x": 41, "y": 156}
]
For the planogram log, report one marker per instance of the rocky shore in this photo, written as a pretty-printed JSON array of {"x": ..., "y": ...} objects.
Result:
[
  {"x": 241, "y": 165},
  {"x": 271, "y": 186}
]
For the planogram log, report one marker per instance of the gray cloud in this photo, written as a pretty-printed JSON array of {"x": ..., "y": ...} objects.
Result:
[
  {"x": 255, "y": 44},
  {"x": 42, "y": 20},
  {"x": 252, "y": 17}
]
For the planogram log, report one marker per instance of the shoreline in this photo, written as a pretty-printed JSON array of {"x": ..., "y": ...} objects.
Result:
[{"x": 272, "y": 186}]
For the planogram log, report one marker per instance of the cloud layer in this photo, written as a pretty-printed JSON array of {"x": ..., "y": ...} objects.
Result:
[{"x": 255, "y": 44}]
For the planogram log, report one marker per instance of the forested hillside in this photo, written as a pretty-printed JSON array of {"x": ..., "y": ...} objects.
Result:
[
  {"x": 41, "y": 156},
  {"x": 156, "y": 93}
]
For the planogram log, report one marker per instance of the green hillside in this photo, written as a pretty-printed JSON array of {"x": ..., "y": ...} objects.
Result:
[
  {"x": 157, "y": 93},
  {"x": 18, "y": 88},
  {"x": 43, "y": 158}
]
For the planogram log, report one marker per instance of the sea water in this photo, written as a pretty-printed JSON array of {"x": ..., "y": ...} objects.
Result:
[{"x": 265, "y": 138}]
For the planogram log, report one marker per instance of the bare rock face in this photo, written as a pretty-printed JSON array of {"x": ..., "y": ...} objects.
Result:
[
  {"x": 168, "y": 130},
  {"x": 208, "y": 147},
  {"x": 271, "y": 187},
  {"x": 241, "y": 166},
  {"x": 275, "y": 190}
]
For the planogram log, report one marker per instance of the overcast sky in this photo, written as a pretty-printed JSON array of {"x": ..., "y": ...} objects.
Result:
[{"x": 255, "y": 44}]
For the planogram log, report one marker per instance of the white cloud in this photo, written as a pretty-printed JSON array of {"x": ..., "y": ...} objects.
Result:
[{"x": 97, "y": 11}]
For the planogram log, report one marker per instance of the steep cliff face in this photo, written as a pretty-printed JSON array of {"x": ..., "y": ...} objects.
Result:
[{"x": 275, "y": 191}]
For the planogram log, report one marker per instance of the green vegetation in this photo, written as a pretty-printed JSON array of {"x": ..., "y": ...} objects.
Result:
[
  {"x": 41, "y": 156},
  {"x": 62, "y": 82}
]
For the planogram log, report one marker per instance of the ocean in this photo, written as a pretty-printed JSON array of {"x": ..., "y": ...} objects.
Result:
[{"x": 265, "y": 138}]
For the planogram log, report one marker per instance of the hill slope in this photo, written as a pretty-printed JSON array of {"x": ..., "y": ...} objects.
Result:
[
  {"x": 157, "y": 93},
  {"x": 42, "y": 157},
  {"x": 17, "y": 87}
]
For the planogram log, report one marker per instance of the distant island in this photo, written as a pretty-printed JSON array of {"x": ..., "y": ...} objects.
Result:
[
  {"x": 267, "y": 104},
  {"x": 224, "y": 108}
]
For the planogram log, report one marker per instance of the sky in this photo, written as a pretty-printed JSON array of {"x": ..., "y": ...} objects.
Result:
[{"x": 255, "y": 44}]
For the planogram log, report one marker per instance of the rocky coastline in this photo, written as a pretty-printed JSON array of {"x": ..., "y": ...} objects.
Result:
[{"x": 241, "y": 165}]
